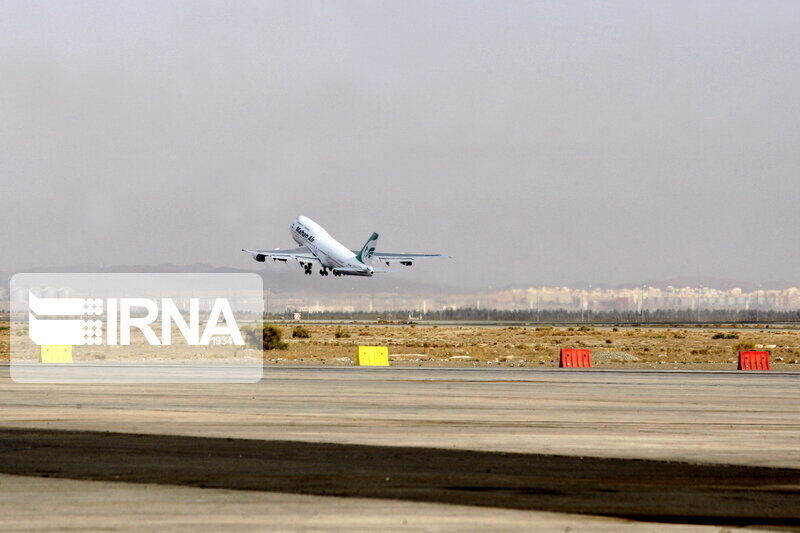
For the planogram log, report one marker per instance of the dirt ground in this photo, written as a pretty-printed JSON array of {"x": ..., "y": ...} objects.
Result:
[
  {"x": 421, "y": 345},
  {"x": 515, "y": 346}
]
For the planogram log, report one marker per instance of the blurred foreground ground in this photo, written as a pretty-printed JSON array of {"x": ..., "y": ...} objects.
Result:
[{"x": 679, "y": 447}]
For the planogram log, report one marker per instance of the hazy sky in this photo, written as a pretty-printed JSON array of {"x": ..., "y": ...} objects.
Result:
[{"x": 540, "y": 142}]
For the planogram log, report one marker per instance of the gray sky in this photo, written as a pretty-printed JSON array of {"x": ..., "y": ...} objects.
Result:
[{"x": 554, "y": 142}]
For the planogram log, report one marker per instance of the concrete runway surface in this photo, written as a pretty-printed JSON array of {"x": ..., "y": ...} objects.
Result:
[
  {"x": 534, "y": 441},
  {"x": 75, "y": 504}
]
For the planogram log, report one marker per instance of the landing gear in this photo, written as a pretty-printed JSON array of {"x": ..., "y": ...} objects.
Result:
[
  {"x": 323, "y": 271},
  {"x": 307, "y": 269}
]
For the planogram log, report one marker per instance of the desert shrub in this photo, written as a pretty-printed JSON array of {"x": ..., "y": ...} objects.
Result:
[
  {"x": 300, "y": 332},
  {"x": 249, "y": 336},
  {"x": 341, "y": 334},
  {"x": 725, "y": 336},
  {"x": 585, "y": 328},
  {"x": 744, "y": 346},
  {"x": 271, "y": 338}
]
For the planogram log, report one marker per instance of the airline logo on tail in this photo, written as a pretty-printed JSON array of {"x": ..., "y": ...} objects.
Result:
[{"x": 367, "y": 251}]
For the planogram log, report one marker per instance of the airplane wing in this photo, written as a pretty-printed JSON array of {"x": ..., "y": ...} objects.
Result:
[
  {"x": 301, "y": 255},
  {"x": 403, "y": 259}
]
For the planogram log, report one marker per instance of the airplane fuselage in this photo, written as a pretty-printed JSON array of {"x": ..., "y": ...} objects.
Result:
[
  {"x": 318, "y": 247},
  {"x": 332, "y": 254}
]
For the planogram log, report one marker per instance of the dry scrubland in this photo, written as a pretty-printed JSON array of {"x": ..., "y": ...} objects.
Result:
[
  {"x": 423, "y": 345},
  {"x": 689, "y": 347},
  {"x": 4, "y": 336}
]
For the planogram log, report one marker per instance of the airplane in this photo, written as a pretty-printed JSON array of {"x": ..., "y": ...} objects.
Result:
[{"x": 318, "y": 247}]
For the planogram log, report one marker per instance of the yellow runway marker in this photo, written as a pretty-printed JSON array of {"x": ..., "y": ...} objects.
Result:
[
  {"x": 56, "y": 354},
  {"x": 373, "y": 356}
]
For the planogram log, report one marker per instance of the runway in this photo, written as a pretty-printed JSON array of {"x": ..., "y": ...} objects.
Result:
[
  {"x": 702, "y": 416},
  {"x": 533, "y": 440}
]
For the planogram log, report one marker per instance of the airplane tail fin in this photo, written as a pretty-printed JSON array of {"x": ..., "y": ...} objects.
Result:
[{"x": 365, "y": 254}]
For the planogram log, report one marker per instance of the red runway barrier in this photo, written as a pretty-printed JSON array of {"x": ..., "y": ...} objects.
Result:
[
  {"x": 575, "y": 358},
  {"x": 753, "y": 361}
]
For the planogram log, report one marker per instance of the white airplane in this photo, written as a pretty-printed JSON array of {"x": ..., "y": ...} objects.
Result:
[{"x": 318, "y": 247}]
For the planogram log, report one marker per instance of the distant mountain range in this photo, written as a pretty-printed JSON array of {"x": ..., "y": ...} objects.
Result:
[
  {"x": 278, "y": 280},
  {"x": 287, "y": 280}
]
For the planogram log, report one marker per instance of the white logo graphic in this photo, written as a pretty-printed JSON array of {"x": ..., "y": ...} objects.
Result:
[{"x": 84, "y": 328}]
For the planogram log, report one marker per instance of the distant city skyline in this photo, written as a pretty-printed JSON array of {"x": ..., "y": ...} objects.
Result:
[
  {"x": 552, "y": 298},
  {"x": 638, "y": 299}
]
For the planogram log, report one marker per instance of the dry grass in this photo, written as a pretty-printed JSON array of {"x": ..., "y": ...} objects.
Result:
[
  {"x": 514, "y": 346},
  {"x": 4, "y": 341},
  {"x": 687, "y": 347}
]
